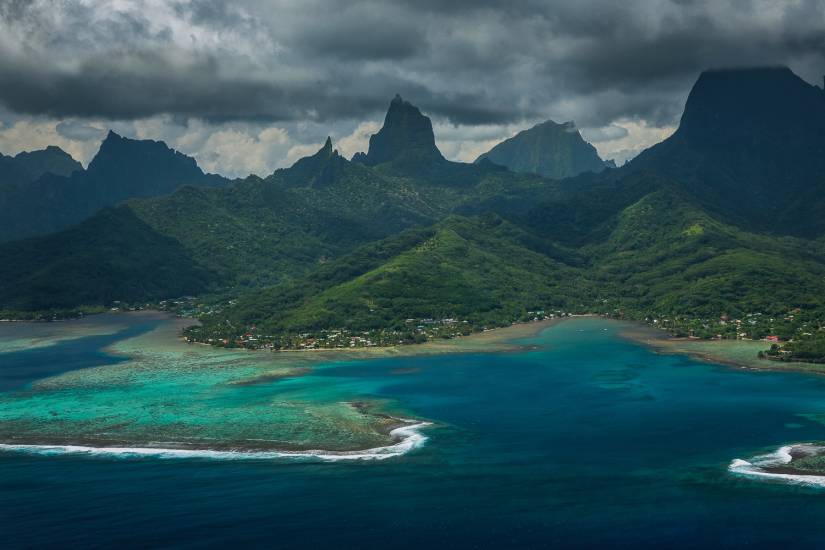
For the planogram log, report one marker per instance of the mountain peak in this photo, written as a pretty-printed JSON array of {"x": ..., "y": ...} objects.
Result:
[
  {"x": 155, "y": 160},
  {"x": 406, "y": 132},
  {"x": 52, "y": 159},
  {"x": 320, "y": 169},
  {"x": 734, "y": 103},
  {"x": 325, "y": 152},
  {"x": 750, "y": 147},
  {"x": 550, "y": 149}
]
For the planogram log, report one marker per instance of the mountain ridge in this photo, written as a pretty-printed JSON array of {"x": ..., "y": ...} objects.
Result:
[
  {"x": 122, "y": 169},
  {"x": 330, "y": 243},
  {"x": 764, "y": 168},
  {"x": 27, "y": 166}
]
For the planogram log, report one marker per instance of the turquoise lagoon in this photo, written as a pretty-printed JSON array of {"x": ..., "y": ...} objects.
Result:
[{"x": 120, "y": 434}]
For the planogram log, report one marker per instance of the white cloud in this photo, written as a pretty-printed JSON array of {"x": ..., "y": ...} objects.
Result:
[
  {"x": 611, "y": 132},
  {"x": 639, "y": 137},
  {"x": 238, "y": 153},
  {"x": 200, "y": 73},
  {"x": 465, "y": 143},
  {"x": 30, "y": 135},
  {"x": 237, "y": 149},
  {"x": 358, "y": 140}
]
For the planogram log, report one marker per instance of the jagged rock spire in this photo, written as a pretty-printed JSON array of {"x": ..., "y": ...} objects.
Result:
[{"x": 406, "y": 132}]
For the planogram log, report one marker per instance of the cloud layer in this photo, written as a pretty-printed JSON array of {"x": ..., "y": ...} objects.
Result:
[{"x": 306, "y": 68}]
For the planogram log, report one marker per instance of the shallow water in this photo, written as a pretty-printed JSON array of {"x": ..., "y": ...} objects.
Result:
[{"x": 589, "y": 440}]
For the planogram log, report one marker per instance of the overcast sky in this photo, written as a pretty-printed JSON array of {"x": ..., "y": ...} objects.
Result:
[{"x": 249, "y": 86}]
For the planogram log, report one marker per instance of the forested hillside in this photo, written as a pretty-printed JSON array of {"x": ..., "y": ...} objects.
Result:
[{"x": 714, "y": 231}]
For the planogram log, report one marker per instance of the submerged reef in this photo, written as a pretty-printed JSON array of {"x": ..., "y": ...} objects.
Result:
[{"x": 160, "y": 393}]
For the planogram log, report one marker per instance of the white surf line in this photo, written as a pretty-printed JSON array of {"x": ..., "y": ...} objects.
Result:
[
  {"x": 410, "y": 438},
  {"x": 754, "y": 467}
]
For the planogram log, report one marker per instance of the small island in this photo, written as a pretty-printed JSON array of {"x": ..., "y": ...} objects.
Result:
[{"x": 800, "y": 463}]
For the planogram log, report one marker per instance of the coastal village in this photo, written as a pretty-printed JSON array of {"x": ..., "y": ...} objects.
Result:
[
  {"x": 751, "y": 326},
  {"x": 797, "y": 335},
  {"x": 793, "y": 337},
  {"x": 781, "y": 333},
  {"x": 784, "y": 335},
  {"x": 413, "y": 331}
]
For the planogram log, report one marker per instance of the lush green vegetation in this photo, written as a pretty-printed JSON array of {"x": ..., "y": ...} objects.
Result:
[
  {"x": 128, "y": 261},
  {"x": 684, "y": 271},
  {"x": 402, "y": 244},
  {"x": 255, "y": 233},
  {"x": 805, "y": 346},
  {"x": 482, "y": 271}
]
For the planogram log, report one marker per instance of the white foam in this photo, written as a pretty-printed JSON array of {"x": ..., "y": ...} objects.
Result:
[
  {"x": 755, "y": 467},
  {"x": 409, "y": 438}
]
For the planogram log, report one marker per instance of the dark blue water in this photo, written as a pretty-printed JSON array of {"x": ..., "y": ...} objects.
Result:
[{"x": 590, "y": 441}]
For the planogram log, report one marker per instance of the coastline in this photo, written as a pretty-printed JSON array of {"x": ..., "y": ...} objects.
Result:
[
  {"x": 733, "y": 353},
  {"x": 494, "y": 339},
  {"x": 740, "y": 354},
  {"x": 403, "y": 438},
  {"x": 328, "y": 426},
  {"x": 779, "y": 465},
  {"x": 500, "y": 339},
  {"x": 161, "y": 355}
]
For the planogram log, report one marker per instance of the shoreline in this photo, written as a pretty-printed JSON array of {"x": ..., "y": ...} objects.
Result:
[
  {"x": 779, "y": 466},
  {"x": 730, "y": 353},
  {"x": 499, "y": 339},
  {"x": 403, "y": 439},
  {"x": 494, "y": 340},
  {"x": 401, "y": 433}
]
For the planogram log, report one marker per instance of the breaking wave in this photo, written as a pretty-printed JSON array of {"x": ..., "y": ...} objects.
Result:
[
  {"x": 759, "y": 466},
  {"x": 408, "y": 438}
]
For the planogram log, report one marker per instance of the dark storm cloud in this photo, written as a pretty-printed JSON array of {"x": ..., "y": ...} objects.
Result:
[{"x": 469, "y": 62}]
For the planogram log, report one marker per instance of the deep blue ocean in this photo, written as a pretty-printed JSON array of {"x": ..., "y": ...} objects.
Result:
[{"x": 589, "y": 441}]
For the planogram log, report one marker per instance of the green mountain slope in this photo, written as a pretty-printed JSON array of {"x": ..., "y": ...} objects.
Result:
[
  {"x": 482, "y": 270},
  {"x": 366, "y": 245},
  {"x": 262, "y": 231},
  {"x": 253, "y": 233},
  {"x": 666, "y": 255},
  {"x": 110, "y": 256},
  {"x": 659, "y": 256}
]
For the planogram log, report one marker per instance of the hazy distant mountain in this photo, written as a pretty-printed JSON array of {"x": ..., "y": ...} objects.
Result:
[
  {"x": 122, "y": 169},
  {"x": 27, "y": 166},
  {"x": 52, "y": 160},
  {"x": 549, "y": 149}
]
